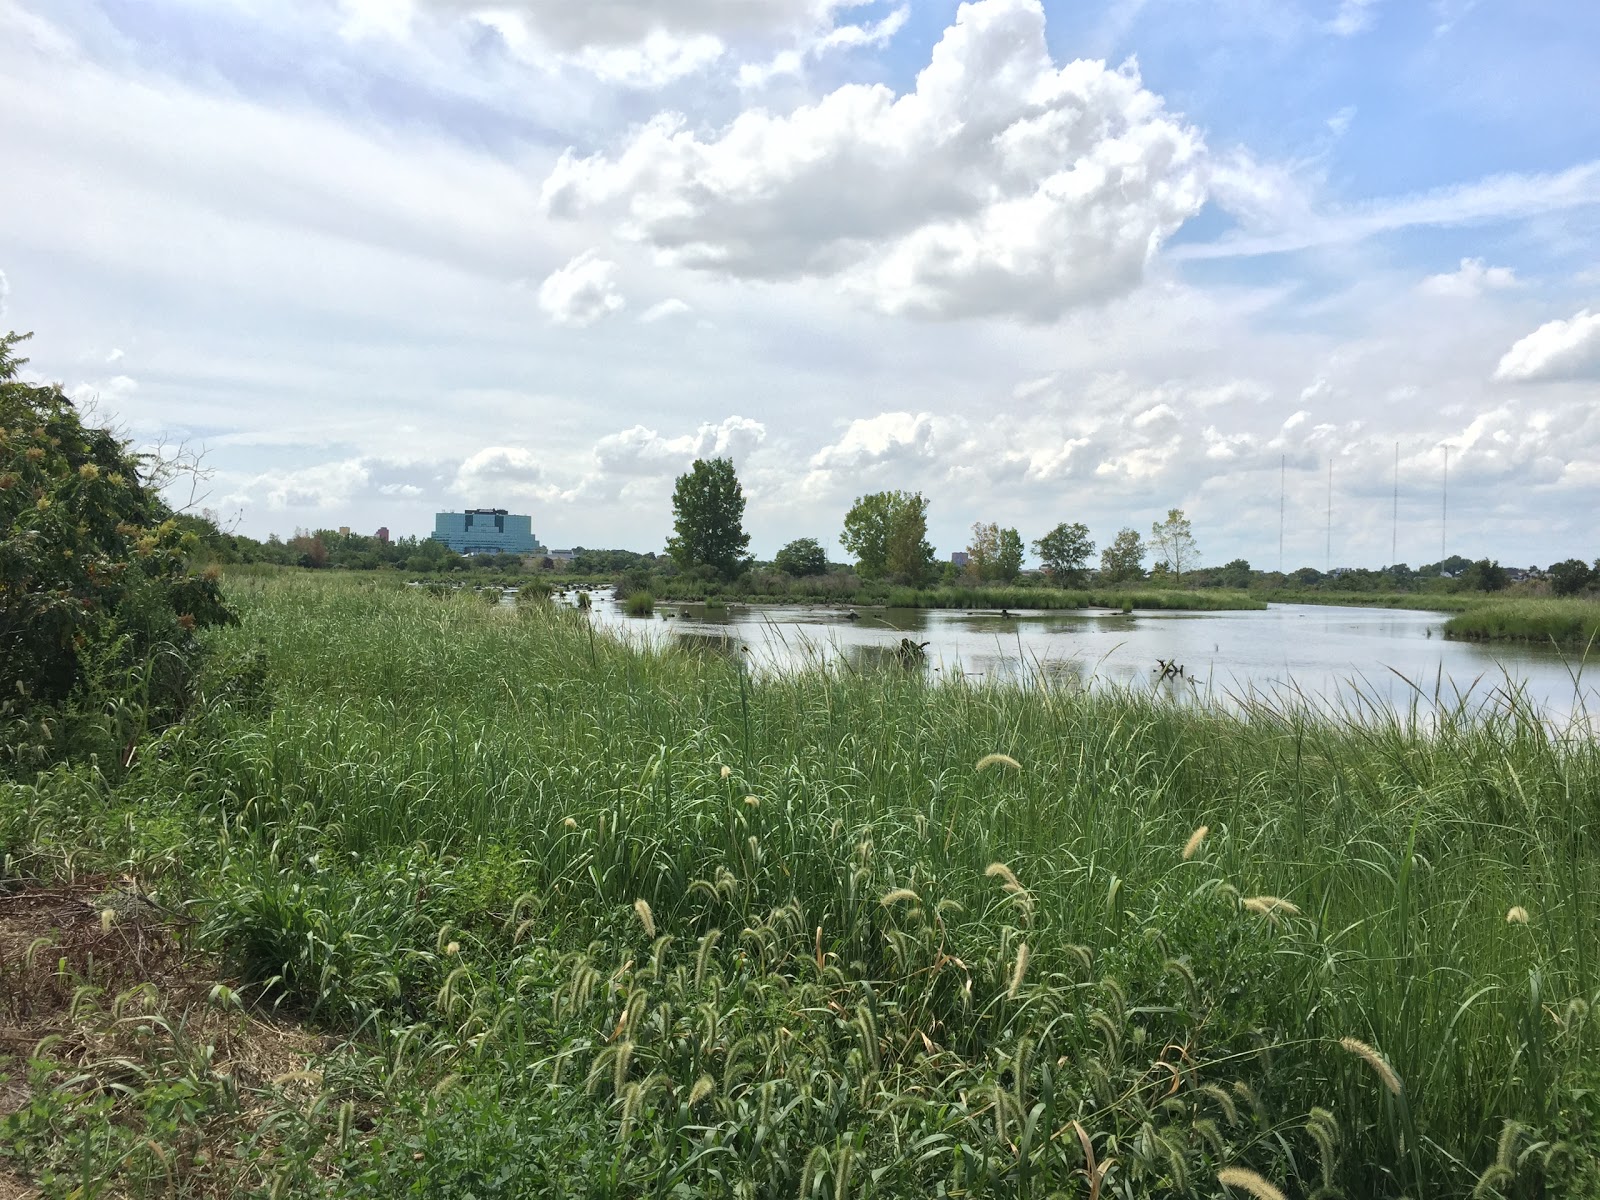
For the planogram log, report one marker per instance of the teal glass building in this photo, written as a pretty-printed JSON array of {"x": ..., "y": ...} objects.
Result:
[{"x": 486, "y": 531}]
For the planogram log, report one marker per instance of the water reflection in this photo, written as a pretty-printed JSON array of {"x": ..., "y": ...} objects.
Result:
[{"x": 1336, "y": 657}]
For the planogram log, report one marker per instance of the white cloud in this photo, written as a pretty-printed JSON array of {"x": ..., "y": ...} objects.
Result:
[
  {"x": 324, "y": 486},
  {"x": 670, "y": 307},
  {"x": 1469, "y": 281},
  {"x": 1000, "y": 185},
  {"x": 582, "y": 292},
  {"x": 643, "y": 451},
  {"x": 504, "y": 472},
  {"x": 1567, "y": 349},
  {"x": 5, "y": 292},
  {"x": 873, "y": 441},
  {"x": 1276, "y": 208},
  {"x": 571, "y": 26},
  {"x": 792, "y": 61}
]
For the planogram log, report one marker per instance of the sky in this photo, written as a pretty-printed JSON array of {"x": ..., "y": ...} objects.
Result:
[{"x": 1041, "y": 261}]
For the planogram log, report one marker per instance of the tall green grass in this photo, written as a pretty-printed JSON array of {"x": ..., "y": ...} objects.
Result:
[
  {"x": 669, "y": 929},
  {"x": 1574, "y": 624}
]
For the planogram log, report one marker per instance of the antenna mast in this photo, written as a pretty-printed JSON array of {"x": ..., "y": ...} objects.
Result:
[{"x": 1283, "y": 467}]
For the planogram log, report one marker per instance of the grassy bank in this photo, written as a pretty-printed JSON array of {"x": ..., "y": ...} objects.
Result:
[
  {"x": 1572, "y": 624},
  {"x": 1426, "y": 601},
  {"x": 1048, "y": 598},
  {"x": 581, "y": 921}
]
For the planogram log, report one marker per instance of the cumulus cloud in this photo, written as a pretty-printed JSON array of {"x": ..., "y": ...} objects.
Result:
[
  {"x": 1558, "y": 349},
  {"x": 499, "y": 472},
  {"x": 575, "y": 26},
  {"x": 582, "y": 292},
  {"x": 324, "y": 486},
  {"x": 643, "y": 451},
  {"x": 1469, "y": 281},
  {"x": 635, "y": 42},
  {"x": 1001, "y": 184},
  {"x": 886, "y": 438}
]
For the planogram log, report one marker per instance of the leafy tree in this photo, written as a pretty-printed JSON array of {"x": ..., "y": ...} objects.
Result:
[
  {"x": 1065, "y": 552},
  {"x": 1173, "y": 542},
  {"x": 888, "y": 534},
  {"x": 708, "y": 518},
  {"x": 1008, "y": 558},
  {"x": 801, "y": 557},
  {"x": 98, "y": 604},
  {"x": 1124, "y": 558},
  {"x": 1570, "y": 576},
  {"x": 1235, "y": 574},
  {"x": 983, "y": 551},
  {"x": 1485, "y": 576}
]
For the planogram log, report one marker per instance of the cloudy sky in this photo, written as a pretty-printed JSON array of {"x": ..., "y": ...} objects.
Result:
[{"x": 1042, "y": 261}]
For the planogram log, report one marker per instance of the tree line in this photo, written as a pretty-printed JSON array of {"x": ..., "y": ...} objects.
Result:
[{"x": 887, "y": 535}]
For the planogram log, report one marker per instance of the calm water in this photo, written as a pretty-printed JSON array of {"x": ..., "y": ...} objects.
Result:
[{"x": 1334, "y": 656}]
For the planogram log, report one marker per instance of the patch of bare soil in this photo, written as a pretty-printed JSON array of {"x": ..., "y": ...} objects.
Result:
[{"x": 97, "y": 980}]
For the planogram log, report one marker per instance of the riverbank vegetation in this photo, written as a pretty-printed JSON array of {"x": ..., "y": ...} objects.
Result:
[
  {"x": 1571, "y": 624},
  {"x": 474, "y": 900}
]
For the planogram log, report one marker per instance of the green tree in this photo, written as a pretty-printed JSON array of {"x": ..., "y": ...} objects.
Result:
[
  {"x": 98, "y": 604},
  {"x": 708, "y": 518},
  {"x": 1485, "y": 576},
  {"x": 1065, "y": 552},
  {"x": 1008, "y": 557},
  {"x": 983, "y": 551},
  {"x": 801, "y": 557},
  {"x": 1235, "y": 574},
  {"x": 888, "y": 534},
  {"x": 1124, "y": 558},
  {"x": 1570, "y": 576},
  {"x": 1173, "y": 543}
]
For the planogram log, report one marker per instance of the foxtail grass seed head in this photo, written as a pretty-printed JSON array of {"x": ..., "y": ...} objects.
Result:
[
  {"x": 453, "y": 949},
  {"x": 1376, "y": 1061},
  {"x": 726, "y": 772},
  {"x": 1516, "y": 915},
  {"x": 1192, "y": 846},
  {"x": 108, "y": 918},
  {"x": 753, "y": 801},
  {"x": 895, "y": 897},
  {"x": 1021, "y": 970},
  {"x": 646, "y": 918},
  {"x": 1247, "y": 1180},
  {"x": 998, "y": 760},
  {"x": 998, "y": 870},
  {"x": 1271, "y": 906},
  {"x": 570, "y": 823}
]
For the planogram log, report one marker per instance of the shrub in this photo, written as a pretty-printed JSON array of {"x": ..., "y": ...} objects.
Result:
[
  {"x": 98, "y": 604},
  {"x": 639, "y": 604}
]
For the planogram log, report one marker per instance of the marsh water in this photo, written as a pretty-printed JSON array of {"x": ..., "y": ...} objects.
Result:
[{"x": 1332, "y": 656}]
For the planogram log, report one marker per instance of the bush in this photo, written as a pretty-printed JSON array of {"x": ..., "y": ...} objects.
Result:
[
  {"x": 639, "y": 604},
  {"x": 98, "y": 604}
]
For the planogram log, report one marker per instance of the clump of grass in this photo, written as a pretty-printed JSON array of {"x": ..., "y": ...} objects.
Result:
[
  {"x": 1573, "y": 624},
  {"x": 639, "y": 604}
]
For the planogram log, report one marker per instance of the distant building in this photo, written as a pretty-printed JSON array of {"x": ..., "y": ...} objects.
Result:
[
  {"x": 383, "y": 534},
  {"x": 486, "y": 531},
  {"x": 959, "y": 558},
  {"x": 562, "y": 557},
  {"x": 344, "y": 531}
]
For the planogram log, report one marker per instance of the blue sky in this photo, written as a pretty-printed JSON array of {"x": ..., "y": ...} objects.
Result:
[{"x": 1041, "y": 261}]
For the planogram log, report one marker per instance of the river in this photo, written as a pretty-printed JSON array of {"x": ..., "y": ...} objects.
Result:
[{"x": 1335, "y": 657}]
